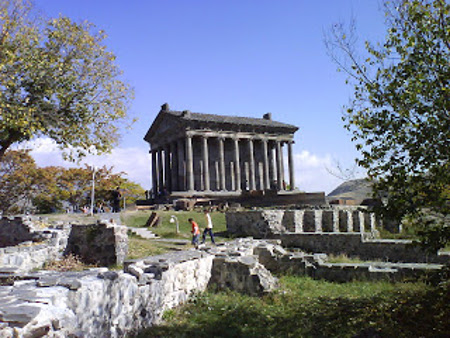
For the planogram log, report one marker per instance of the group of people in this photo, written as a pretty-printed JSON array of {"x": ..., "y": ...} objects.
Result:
[{"x": 196, "y": 230}]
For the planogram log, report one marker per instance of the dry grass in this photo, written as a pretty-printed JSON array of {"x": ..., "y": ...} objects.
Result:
[{"x": 68, "y": 263}]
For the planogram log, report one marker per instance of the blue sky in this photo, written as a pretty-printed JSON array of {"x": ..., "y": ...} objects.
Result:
[{"x": 233, "y": 58}]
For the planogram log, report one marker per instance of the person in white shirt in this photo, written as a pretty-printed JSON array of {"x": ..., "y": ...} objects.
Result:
[{"x": 208, "y": 229}]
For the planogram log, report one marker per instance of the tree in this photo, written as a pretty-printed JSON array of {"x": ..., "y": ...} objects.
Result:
[
  {"x": 399, "y": 114},
  {"x": 57, "y": 79},
  {"x": 18, "y": 174}
]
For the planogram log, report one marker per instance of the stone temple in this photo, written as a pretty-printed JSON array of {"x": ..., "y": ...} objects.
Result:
[{"x": 206, "y": 155}]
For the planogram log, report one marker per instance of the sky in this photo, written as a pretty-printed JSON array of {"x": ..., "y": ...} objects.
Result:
[{"x": 233, "y": 57}]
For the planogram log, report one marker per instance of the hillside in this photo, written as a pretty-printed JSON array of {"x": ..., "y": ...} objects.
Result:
[{"x": 358, "y": 189}]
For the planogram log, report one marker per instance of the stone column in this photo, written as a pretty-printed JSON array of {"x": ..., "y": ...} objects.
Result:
[
  {"x": 154, "y": 172},
  {"x": 279, "y": 165},
  {"x": 161, "y": 171},
  {"x": 266, "y": 165},
  {"x": 251, "y": 165},
  {"x": 291, "y": 166},
  {"x": 189, "y": 164},
  {"x": 205, "y": 153},
  {"x": 222, "y": 164},
  {"x": 181, "y": 165},
  {"x": 272, "y": 166},
  {"x": 167, "y": 171},
  {"x": 174, "y": 166},
  {"x": 232, "y": 176},
  {"x": 283, "y": 181},
  {"x": 237, "y": 166}
]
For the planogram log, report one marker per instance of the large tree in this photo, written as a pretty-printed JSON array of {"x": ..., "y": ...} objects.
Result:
[
  {"x": 399, "y": 114},
  {"x": 57, "y": 79}
]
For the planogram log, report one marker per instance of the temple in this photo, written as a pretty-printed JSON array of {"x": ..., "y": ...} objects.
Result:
[{"x": 197, "y": 154}]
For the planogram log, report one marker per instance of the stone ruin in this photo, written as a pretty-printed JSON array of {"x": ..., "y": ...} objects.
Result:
[
  {"x": 28, "y": 244},
  {"x": 113, "y": 303},
  {"x": 338, "y": 231}
]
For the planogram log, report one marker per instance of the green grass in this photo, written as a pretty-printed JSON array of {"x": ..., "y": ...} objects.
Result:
[
  {"x": 168, "y": 230},
  {"x": 307, "y": 308},
  {"x": 139, "y": 247},
  {"x": 343, "y": 259}
]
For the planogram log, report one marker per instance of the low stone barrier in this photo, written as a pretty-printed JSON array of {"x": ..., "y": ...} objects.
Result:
[
  {"x": 356, "y": 245},
  {"x": 267, "y": 223},
  {"x": 104, "y": 243},
  {"x": 16, "y": 230},
  {"x": 41, "y": 245}
]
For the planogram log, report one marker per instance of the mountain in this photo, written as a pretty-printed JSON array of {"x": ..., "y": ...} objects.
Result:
[{"x": 358, "y": 190}]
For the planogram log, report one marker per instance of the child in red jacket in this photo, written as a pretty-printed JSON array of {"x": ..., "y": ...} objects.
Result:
[{"x": 195, "y": 232}]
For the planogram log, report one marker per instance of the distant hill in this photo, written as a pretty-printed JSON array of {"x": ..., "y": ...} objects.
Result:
[{"x": 359, "y": 189}]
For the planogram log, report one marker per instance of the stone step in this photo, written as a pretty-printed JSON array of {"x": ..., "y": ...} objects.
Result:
[{"x": 143, "y": 232}]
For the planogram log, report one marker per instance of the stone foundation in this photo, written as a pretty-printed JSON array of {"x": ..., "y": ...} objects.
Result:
[
  {"x": 267, "y": 223},
  {"x": 104, "y": 243},
  {"x": 104, "y": 303},
  {"x": 37, "y": 243},
  {"x": 356, "y": 245}
]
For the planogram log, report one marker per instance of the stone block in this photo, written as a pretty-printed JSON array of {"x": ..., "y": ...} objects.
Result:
[{"x": 103, "y": 243}]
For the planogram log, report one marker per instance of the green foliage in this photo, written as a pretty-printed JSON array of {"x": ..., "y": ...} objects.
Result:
[
  {"x": 24, "y": 186},
  {"x": 18, "y": 176},
  {"x": 399, "y": 114},
  {"x": 308, "y": 308},
  {"x": 57, "y": 79}
]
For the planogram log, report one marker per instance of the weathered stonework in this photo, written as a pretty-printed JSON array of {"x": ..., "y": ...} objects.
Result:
[
  {"x": 106, "y": 303},
  {"x": 103, "y": 303},
  {"x": 268, "y": 223},
  {"x": 356, "y": 245},
  {"x": 103, "y": 243}
]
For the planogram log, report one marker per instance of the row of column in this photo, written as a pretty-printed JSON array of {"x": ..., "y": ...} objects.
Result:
[{"x": 173, "y": 165}]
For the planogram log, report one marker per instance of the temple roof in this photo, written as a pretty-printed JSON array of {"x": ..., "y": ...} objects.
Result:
[
  {"x": 169, "y": 121},
  {"x": 239, "y": 120}
]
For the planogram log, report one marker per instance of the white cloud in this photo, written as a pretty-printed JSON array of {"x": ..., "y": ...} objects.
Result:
[
  {"x": 133, "y": 161},
  {"x": 311, "y": 172}
]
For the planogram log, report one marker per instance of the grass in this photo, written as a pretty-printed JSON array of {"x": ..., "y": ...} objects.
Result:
[
  {"x": 139, "y": 247},
  {"x": 168, "y": 230},
  {"x": 308, "y": 308},
  {"x": 343, "y": 259}
]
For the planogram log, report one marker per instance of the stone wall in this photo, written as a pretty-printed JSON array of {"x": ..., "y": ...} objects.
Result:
[
  {"x": 258, "y": 224},
  {"x": 15, "y": 230},
  {"x": 36, "y": 245},
  {"x": 266, "y": 223},
  {"x": 104, "y": 303},
  {"x": 103, "y": 243},
  {"x": 355, "y": 245}
]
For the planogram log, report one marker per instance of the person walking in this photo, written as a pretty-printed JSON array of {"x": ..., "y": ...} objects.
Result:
[
  {"x": 116, "y": 195},
  {"x": 195, "y": 232},
  {"x": 208, "y": 229}
]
